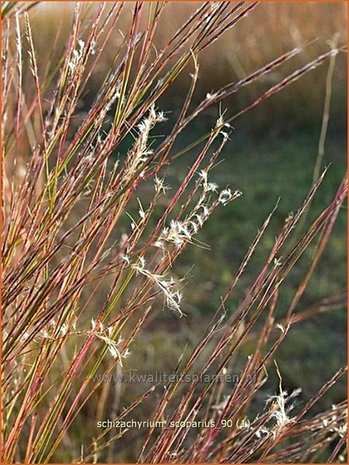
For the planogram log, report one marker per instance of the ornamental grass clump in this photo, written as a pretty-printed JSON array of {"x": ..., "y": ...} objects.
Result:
[{"x": 93, "y": 228}]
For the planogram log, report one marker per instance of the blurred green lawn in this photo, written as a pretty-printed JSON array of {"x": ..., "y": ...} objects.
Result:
[{"x": 264, "y": 169}]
